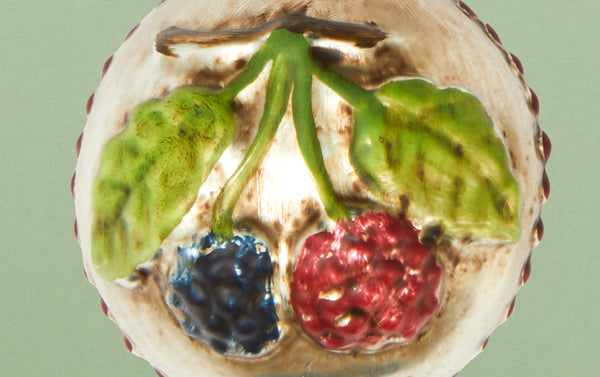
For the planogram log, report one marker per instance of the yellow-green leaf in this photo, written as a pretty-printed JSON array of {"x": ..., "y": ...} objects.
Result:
[
  {"x": 150, "y": 175},
  {"x": 435, "y": 153}
]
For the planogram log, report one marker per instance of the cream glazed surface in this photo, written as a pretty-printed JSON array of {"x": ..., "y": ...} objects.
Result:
[{"x": 440, "y": 41}]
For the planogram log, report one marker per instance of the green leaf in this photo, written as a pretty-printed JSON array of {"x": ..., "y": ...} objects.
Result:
[
  {"x": 150, "y": 175},
  {"x": 434, "y": 153}
]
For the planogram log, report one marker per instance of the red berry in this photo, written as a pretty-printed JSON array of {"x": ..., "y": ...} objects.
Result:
[{"x": 367, "y": 283}]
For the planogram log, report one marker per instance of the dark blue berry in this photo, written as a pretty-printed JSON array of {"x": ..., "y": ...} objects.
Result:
[{"x": 223, "y": 291}]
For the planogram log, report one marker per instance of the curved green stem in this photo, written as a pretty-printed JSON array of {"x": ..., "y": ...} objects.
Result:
[
  {"x": 357, "y": 96},
  {"x": 292, "y": 65},
  {"x": 369, "y": 112},
  {"x": 308, "y": 141},
  {"x": 276, "y": 102},
  {"x": 247, "y": 75}
]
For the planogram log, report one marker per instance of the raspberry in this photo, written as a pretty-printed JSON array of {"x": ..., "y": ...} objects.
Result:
[
  {"x": 368, "y": 283},
  {"x": 222, "y": 293}
]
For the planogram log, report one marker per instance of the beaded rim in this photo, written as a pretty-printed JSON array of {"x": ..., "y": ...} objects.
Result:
[{"x": 543, "y": 143}]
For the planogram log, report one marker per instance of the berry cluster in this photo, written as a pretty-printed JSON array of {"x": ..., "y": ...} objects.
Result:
[
  {"x": 223, "y": 290},
  {"x": 368, "y": 283}
]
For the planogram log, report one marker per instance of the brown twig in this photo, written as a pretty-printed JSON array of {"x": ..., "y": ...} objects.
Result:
[{"x": 361, "y": 35}]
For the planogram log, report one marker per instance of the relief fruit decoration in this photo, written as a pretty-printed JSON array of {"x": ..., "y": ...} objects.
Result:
[
  {"x": 224, "y": 294},
  {"x": 234, "y": 214},
  {"x": 150, "y": 174},
  {"x": 367, "y": 282}
]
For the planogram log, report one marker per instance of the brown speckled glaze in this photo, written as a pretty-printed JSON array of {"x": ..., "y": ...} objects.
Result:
[{"x": 457, "y": 262}]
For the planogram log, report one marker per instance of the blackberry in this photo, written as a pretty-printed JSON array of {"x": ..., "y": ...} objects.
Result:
[{"x": 222, "y": 293}]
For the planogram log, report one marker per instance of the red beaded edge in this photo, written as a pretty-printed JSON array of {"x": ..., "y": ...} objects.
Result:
[
  {"x": 132, "y": 31},
  {"x": 106, "y": 65},
  {"x": 128, "y": 344},
  {"x": 526, "y": 272},
  {"x": 539, "y": 230},
  {"x": 78, "y": 144},
  {"x": 73, "y": 184},
  {"x": 511, "y": 308},
  {"x": 104, "y": 307},
  {"x": 89, "y": 105},
  {"x": 543, "y": 141},
  {"x": 485, "y": 343}
]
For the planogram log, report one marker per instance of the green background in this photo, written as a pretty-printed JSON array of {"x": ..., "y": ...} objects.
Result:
[{"x": 51, "y": 55}]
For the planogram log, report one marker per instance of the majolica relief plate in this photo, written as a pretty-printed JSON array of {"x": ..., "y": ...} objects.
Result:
[{"x": 310, "y": 188}]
